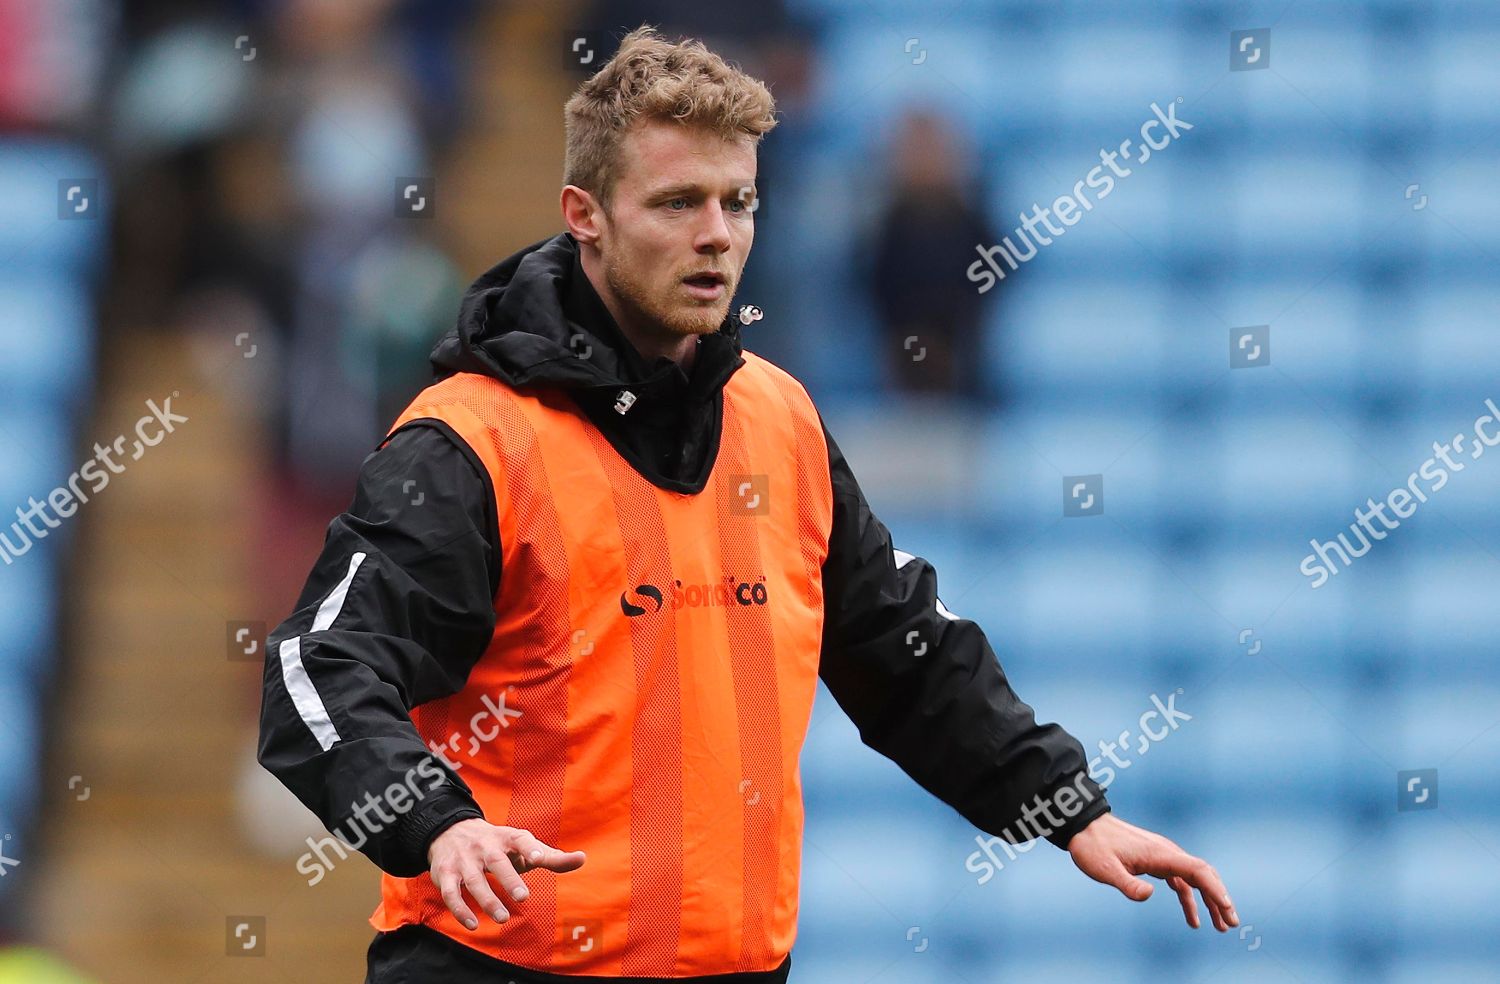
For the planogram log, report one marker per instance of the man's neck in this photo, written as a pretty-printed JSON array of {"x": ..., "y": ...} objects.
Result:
[{"x": 650, "y": 343}]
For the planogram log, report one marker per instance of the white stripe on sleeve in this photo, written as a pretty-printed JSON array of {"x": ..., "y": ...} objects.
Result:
[
  {"x": 902, "y": 559},
  {"x": 304, "y": 695}
]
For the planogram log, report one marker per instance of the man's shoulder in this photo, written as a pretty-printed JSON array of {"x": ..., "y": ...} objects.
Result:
[
  {"x": 779, "y": 383},
  {"x": 776, "y": 374},
  {"x": 476, "y": 392}
]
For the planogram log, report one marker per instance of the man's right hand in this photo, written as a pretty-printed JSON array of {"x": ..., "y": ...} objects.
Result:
[{"x": 460, "y": 856}]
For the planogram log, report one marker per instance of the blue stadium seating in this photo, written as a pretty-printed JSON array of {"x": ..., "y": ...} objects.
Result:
[{"x": 1288, "y": 206}]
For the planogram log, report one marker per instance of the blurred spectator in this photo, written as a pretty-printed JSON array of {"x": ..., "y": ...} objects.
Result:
[
  {"x": 51, "y": 57},
  {"x": 931, "y": 315}
]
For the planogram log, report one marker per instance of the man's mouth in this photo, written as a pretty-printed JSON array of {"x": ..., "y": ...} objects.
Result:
[{"x": 708, "y": 285}]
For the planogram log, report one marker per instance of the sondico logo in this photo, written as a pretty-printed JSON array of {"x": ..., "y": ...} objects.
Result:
[
  {"x": 729, "y": 591},
  {"x": 641, "y": 591}
]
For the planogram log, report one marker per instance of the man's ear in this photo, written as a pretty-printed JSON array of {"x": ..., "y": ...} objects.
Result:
[{"x": 583, "y": 214}]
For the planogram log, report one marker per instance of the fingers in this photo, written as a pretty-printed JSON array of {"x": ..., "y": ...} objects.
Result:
[
  {"x": 1222, "y": 916},
  {"x": 479, "y": 888},
  {"x": 1136, "y": 889},
  {"x": 1201, "y": 875},
  {"x": 1215, "y": 895},
  {"x": 500, "y": 866},
  {"x": 532, "y": 853},
  {"x": 1185, "y": 896},
  {"x": 1133, "y": 888},
  {"x": 447, "y": 883},
  {"x": 464, "y": 865},
  {"x": 1115, "y": 853}
]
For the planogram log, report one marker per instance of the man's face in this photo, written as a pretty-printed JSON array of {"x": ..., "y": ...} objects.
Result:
[{"x": 679, "y": 227}]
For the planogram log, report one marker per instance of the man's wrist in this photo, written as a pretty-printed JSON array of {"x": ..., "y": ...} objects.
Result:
[
  {"x": 1093, "y": 806},
  {"x": 1064, "y": 835},
  {"x": 443, "y": 826},
  {"x": 439, "y": 810}
]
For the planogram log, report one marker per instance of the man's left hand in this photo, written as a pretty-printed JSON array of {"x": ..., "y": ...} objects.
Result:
[{"x": 1111, "y": 851}]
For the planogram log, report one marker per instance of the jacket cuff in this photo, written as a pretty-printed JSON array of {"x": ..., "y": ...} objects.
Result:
[
  {"x": 1094, "y": 807},
  {"x": 412, "y": 836}
]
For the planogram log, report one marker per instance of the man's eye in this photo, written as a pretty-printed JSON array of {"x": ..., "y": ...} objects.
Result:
[
  {"x": 738, "y": 205},
  {"x": 674, "y": 202}
]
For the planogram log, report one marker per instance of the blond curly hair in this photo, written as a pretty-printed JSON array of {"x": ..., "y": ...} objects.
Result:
[{"x": 650, "y": 78}]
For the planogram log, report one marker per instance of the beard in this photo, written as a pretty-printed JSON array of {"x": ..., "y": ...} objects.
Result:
[{"x": 667, "y": 308}]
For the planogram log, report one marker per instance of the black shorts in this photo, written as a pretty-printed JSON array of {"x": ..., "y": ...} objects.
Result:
[{"x": 418, "y": 955}]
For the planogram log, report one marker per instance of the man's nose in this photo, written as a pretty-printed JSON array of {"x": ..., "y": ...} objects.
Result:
[{"x": 713, "y": 234}]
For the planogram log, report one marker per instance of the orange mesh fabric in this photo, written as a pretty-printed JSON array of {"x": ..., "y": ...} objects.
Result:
[{"x": 662, "y": 649}]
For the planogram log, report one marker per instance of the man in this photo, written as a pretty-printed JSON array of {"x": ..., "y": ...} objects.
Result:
[{"x": 575, "y": 617}]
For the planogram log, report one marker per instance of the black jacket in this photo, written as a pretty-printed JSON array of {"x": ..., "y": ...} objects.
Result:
[{"x": 419, "y": 611}]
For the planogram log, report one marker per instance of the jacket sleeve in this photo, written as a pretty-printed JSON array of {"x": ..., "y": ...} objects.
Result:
[
  {"x": 397, "y": 610},
  {"x": 925, "y": 689}
]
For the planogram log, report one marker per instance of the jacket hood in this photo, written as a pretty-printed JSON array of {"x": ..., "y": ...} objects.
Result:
[{"x": 528, "y": 322}]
